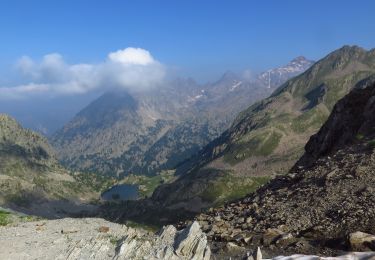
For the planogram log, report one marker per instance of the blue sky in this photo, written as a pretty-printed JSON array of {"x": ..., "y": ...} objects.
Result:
[{"x": 197, "y": 38}]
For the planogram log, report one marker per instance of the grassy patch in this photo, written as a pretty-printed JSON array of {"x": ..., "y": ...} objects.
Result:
[
  {"x": 147, "y": 227},
  {"x": 147, "y": 184},
  {"x": 97, "y": 182},
  {"x": 338, "y": 88},
  {"x": 18, "y": 199},
  {"x": 9, "y": 218},
  {"x": 4, "y": 218},
  {"x": 259, "y": 145},
  {"x": 371, "y": 144},
  {"x": 359, "y": 137},
  {"x": 114, "y": 240},
  {"x": 313, "y": 118},
  {"x": 269, "y": 145},
  {"x": 229, "y": 188},
  {"x": 29, "y": 218},
  {"x": 40, "y": 182}
]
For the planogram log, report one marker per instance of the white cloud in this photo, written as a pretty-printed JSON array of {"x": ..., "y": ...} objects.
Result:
[
  {"x": 131, "y": 68},
  {"x": 132, "y": 56},
  {"x": 25, "y": 64}
]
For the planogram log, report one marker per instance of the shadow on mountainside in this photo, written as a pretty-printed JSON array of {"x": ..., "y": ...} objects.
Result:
[
  {"x": 30, "y": 204},
  {"x": 143, "y": 212}
]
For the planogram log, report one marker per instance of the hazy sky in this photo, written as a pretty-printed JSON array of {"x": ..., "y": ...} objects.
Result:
[
  {"x": 199, "y": 38},
  {"x": 58, "y": 55}
]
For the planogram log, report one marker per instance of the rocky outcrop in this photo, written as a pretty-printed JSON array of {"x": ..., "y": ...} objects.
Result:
[
  {"x": 354, "y": 256},
  {"x": 100, "y": 239},
  {"x": 360, "y": 241},
  {"x": 298, "y": 108},
  {"x": 189, "y": 243},
  {"x": 323, "y": 202},
  {"x": 351, "y": 118}
]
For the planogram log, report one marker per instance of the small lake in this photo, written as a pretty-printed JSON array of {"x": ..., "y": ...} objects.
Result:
[{"x": 121, "y": 192}]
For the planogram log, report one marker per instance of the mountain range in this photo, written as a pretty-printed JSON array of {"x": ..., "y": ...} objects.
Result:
[
  {"x": 324, "y": 203},
  {"x": 145, "y": 133},
  {"x": 292, "y": 173},
  {"x": 266, "y": 139}
]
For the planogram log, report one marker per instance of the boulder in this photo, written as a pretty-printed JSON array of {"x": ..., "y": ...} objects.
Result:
[
  {"x": 258, "y": 254},
  {"x": 233, "y": 247},
  {"x": 360, "y": 241},
  {"x": 271, "y": 236},
  {"x": 191, "y": 243}
]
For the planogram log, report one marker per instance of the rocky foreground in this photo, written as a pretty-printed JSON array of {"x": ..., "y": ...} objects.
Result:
[
  {"x": 94, "y": 238},
  {"x": 99, "y": 239}
]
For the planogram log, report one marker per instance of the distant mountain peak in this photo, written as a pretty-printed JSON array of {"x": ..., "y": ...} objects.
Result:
[
  {"x": 347, "y": 51},
  {"x": 275, "y": 77},
  {"x": 301, "y": 60}
]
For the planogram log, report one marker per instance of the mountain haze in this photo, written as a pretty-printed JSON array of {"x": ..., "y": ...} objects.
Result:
[{"x": 147, "y": 132}]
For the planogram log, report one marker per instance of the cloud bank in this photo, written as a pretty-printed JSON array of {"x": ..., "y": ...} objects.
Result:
[{"x": 132, "y": 69}]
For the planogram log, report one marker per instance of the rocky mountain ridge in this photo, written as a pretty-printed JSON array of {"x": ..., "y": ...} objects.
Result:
[
  {"x": 324, "y": 204},
  {"x": 267, "y": 138},
  {"x": 26, "y": 142},
  {"x": 303, "y": 103},
  {"x": 31, "y": 179}
]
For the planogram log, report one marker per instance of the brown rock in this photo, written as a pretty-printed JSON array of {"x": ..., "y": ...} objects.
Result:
[
  {"x": 104, "y": 229},
  {"x": 285, "y": 240},
  {"x": 271, "y": 236}
]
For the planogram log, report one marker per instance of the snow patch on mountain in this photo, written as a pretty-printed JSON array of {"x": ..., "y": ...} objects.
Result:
[
  {"x": 275, "y": 77},
  {"x": 236, "y": 84}
]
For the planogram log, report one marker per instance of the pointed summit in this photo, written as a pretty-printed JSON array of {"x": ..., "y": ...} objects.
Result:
[
  {"x": 301, "y": 60},
  {"x": 277, "y": 76}
]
